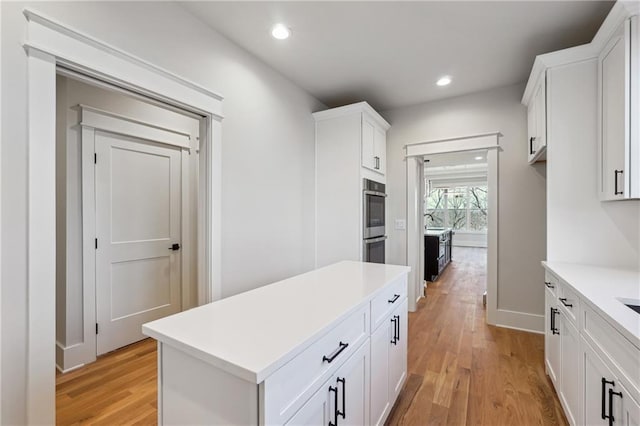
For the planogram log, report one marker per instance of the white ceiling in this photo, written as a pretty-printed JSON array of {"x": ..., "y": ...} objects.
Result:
[{"x": 391, "y": 53}]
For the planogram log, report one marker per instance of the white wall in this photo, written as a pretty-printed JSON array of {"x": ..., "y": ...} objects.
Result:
[
  {"x": 268, "y": 148},
  {"x": 521, "y": 210},
  {"x": 581, "y": 229}
]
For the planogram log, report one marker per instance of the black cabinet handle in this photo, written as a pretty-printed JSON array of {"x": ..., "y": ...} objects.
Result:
[
  {"x": 337, "y": 352},
  {"x": 394, "y": 341},
  {"x": 611, "y": 393},
  {"x": 174, "y": 247},
  {"x": 615, "y": 182},
  {"x": 605, "y": 382},
  {"x": 531, "y": 151},
  {"x": 335, "y": 406},
  {"x": 564, "y": 302},
  {"x": 549, "y": 285},
  {"x": 554, "y": 330},
  {"x": 343, "y": 413},
  {"x": 395, "y": 297},
  {"x": 397, "y": 317}
]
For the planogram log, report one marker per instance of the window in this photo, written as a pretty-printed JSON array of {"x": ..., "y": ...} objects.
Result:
[{"x": 462, "y": 207}]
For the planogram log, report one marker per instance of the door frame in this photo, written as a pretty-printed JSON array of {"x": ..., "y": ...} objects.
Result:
[
  {"x": 48, "y": 45},
  {"x": 92, "y": 120},
  {"x": 415, "y": 222}
]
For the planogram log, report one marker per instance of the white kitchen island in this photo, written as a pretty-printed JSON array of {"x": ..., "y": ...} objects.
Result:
[{"x": 325, "y": 347}]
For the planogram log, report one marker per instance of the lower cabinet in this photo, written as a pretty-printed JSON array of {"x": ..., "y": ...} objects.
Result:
[
  {"x": 389, "y": 361},
  {"x": 570, "y": 380},
  {"x": 552, "y": 337},
  {"x": 607, "y": 401},
  {"x": 343, "y": 399}
]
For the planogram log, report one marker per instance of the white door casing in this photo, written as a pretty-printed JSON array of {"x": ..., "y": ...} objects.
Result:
[
  {"x": 138, "y": 219},
  {"x": 49, "y": 44}
]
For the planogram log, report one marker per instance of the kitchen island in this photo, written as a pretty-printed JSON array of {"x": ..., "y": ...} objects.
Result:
[
  {"x": 437, "y": 251},
  {"x": 328, "y": 345}
]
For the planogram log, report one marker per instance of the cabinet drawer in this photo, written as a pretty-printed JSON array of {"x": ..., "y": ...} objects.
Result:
[
  {"x": 614, "y": 348},
  {"x": 286, "y": 390},
  {"x": 551, "y": 282},
  {"x": 569, "y": 302},
  {"x": 390, "y": 297}
]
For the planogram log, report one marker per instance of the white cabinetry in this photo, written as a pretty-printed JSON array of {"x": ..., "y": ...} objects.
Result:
[
  {"x": 619, "y": 114},
  {"x": 537, "y": 122},
  {"x": 350, "y": 146},
  {"x": 594, "y": 368}
]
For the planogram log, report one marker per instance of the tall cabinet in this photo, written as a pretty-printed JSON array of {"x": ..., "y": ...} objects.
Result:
[{"x": 351, "y": 144}]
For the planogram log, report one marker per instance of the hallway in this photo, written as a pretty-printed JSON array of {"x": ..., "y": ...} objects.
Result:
[{"x": 464, "y": 372}]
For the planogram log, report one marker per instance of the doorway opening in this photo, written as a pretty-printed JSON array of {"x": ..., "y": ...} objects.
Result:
[
  {"x": 455, "y": 213},
  {"x": 465, "y": 146},
  {"x": 126, "y": 215}
]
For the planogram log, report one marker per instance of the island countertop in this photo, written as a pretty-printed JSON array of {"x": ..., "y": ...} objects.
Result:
[
  {"x": 601, "y": 288},
  {"x": 252, "y": 334}
]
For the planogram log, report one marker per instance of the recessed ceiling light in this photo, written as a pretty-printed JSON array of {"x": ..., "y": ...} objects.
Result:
[
  {"x": 444, "y": 81},
  {"x": 479, "y": 157},
  {"x": 280, "y": 31}
]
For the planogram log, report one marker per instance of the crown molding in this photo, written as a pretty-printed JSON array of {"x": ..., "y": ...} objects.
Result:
[
  {"x": 357, "y": 108},
  {"x": 620, "y": 11}
]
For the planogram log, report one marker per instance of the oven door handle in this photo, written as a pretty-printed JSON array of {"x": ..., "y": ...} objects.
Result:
[
  {"x": 375, "y": 240},
  {"x": 379, "y": 194}
]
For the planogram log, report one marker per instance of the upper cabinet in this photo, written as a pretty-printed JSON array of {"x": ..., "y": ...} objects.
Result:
[
  {"x": 537, "y": 122},
  {"x": 619, "y": 114},
  {"x": 374, "y": 145}
]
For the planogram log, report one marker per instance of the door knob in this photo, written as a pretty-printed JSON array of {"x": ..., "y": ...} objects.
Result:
[{"x": 175, "y": 247}]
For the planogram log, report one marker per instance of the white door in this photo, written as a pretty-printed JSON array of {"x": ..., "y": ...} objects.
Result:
[
  {"x": 138, "y": 220},
  {"x": 352, "y": 384},
  {"x": 398, "y": 351},
  {"x": 380, "y": 405},
  {"x": 368, "y": 144}
]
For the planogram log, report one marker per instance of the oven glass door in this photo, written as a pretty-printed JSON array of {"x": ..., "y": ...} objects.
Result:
[
  {"x": 374, "y": 250},
  {"x": 373, "y": 215}
]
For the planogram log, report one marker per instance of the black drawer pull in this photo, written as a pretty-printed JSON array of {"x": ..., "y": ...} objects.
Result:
[
  {"x": 549, "y": 285},
  {"x": 564, "y": 302},
  {"x": 333, "y": 356},
  {"x": 615, "y": 182},
  {"x": 395, "y": 297},
  {"x": 395, "y": 328},
  {"x": 397, "y": 317},
  {"x": 554, "y": 311}
]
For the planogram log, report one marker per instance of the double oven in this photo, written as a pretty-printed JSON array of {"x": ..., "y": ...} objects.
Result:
[{"x": 374, "y": 199}]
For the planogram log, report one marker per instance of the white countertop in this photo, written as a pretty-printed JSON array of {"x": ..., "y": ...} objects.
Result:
[
  {"x": 601, "y": 288},
  {"x": 436, "y": 232},
  {"x": 252, "y": 334}
]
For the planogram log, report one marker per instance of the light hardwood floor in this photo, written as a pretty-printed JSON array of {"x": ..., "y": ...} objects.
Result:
[{"x": 461, "y": 371}]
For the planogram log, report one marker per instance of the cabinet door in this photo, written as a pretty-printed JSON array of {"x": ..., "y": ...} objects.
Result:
[
  {"x": 551, "y": 338},
  {"x": 380, "y": 143},
  {"x": 570, "y": 380},
  {"x": 315, "y": 411},
  {"x": 398, "y": 353},
  {"x": 630, "y": 409},
  {"x": 540, "y": 142},
  {"x": 532, "y": 128},
  {"x": 613, "y": 99},
  {"x": 595, "y": 394},
  {"x": 352, "y": 384},
  {"x": 380, "y": 401},
  {"x": 368, "y": 144}
]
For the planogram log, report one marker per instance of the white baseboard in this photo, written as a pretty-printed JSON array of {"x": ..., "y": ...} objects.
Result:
[
  {"x": 69, "y": 358},
  {"x": 520, "y": 321}
]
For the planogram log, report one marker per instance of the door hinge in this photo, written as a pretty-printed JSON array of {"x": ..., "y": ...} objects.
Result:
[
  {"x": 95, "y": 158},
  {"x": 96, "y": 244},
  {"x": 96, "y": 328}
]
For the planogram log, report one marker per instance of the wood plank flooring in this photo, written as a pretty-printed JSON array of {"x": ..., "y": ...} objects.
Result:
[
  {"x": 461, "y": 371},
  {"x": 464, "y": 372}
]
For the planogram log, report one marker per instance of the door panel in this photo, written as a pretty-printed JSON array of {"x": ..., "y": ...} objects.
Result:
[
  {"x": 398, "y": 354},
  {"x": 380, "y": 406},
  {"x": 138, "y": 218},
  {"x": 352, "y": 381},
  {"x": 315, "y": 412},
  {"x": 368, "y": 144}
]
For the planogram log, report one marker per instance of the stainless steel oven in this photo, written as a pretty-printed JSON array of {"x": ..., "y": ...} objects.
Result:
[
  {"x": 374, "y": 209},
  {"x": 374, "y": 199},
  {"x": 374, "y": 249}
]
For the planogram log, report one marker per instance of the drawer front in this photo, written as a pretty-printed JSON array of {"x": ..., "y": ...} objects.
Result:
[
  {"x": 389, "y": 298},
  {"x": 614, "y": 347},
  {"x": 286, "y": 390},
  {"x": 570, "y": 303},
  {"x": 551, "y": 282}
]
